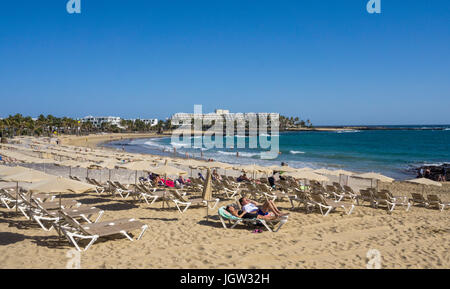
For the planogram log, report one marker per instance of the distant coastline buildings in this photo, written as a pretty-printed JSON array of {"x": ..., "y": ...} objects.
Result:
[
  {"x": 224, "y": 114},
  {"x": 97, "y": 121}
]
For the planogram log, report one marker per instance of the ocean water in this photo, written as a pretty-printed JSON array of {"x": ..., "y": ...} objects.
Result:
[{"x": 393, "y": 152}]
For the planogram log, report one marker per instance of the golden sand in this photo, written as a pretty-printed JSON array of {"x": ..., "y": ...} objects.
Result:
[{"x": 419, "y": 238}]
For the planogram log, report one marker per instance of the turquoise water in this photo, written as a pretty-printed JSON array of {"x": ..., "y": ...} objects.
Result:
[{"x": 391, "y": 152}]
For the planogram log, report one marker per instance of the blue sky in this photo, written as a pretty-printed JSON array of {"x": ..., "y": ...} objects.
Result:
[{"x": 328, "y": 60}]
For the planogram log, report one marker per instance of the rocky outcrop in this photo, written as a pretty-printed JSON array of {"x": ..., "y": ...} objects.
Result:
[{"x": 435, "y": 172}]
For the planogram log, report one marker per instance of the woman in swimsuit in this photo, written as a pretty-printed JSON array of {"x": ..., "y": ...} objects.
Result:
[
  {"x": 244, "y": 215},
  {"x": 267, "y": 209}
]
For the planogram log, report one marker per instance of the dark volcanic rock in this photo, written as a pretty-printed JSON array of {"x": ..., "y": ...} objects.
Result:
[{"x": 434, "y": 172}]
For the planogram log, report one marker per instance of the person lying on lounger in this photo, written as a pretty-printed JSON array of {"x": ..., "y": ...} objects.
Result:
[
  {"x": 267, "y": 209},
  {"x": 244, "y": 215}
]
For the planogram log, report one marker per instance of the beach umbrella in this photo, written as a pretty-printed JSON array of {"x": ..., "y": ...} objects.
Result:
[
  {"x": 137, "y": 166},
  {"x": 12, "y": 170},
  {"x": 217, "y": 165},
  {"x": 336, "y": 173},
  {"x": 254, "y": 169},
  {"x": 20, "y": 174},
  {"x": 307, "y": 175},
  {"x": 60, "y": 185},
  {"x": 207, "y": 191},
  {"x": 344, "y": 172},
  {"x": 305, "y": 169},
  {"x": 374, "y": 176},
  {"x": 29, "y": 176},
  {"x": 282, "y": 169},
  {"x": 424, "y": 182},
  {"x": 166, "y": 170},
  {"x": 192, "y": 164},
  {"x": 326, "y": 172}
]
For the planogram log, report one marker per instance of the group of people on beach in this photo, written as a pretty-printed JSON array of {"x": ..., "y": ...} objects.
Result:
[
  {"x": 426, "y": 173},
  {"x": 215, "y": 176},
  {"x": 158, "y": 181}
]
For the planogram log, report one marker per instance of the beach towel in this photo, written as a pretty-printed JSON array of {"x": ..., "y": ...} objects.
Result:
[{"x": 168, "y": 183}]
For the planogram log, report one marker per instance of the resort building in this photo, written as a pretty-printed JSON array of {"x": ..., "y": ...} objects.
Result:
[
  {"x": 150, "y": 121},
  {"x": 225, "y": 115},
  {"x": 97, "y": 121}
]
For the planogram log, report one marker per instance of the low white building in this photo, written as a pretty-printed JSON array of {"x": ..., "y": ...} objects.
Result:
[
  {"x": 98, "y": 120},
  {"x": 150, "y": 121}
]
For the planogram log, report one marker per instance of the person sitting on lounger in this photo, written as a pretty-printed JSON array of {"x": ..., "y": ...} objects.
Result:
[
  {"x": 183, "y": 181},
  {"x": 243, "y": 178},
  {"x": 267, "y": 209},
  {"x": 157, "y": 181}
]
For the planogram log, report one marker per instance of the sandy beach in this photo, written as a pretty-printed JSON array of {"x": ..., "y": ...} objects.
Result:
[
  {"x": 94, "y": 140},
  {"x": 419, "y": 238}
]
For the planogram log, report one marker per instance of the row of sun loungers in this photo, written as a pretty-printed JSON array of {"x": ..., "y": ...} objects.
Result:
[
  {"x": 331, "y": 196},
  {"x": 143, "y": 192},
  {"x": 77, "y": 222}
]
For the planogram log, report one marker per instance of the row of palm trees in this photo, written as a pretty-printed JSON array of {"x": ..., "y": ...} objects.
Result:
[
  {"x": 284, "y": 122},
  {"x": 292, "y": 122},
  {"x": 15, "y": 125},
  {"x": 18, "y": 124}
]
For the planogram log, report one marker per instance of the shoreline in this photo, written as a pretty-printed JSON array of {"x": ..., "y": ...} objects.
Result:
[
  {"x": 100, "y": 141},
  {"x": 97, "y": 140},
  {"x": 358, "y": 128}
]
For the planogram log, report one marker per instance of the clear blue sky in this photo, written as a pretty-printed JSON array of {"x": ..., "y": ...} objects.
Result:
[{"x": 326, "y": 60}]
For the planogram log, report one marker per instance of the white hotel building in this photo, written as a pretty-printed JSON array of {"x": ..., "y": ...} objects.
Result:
[
  {"x": 98, "y": 120},
  {"x": 113, "y": 120},
  {"x": 224, "y": 114}
]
